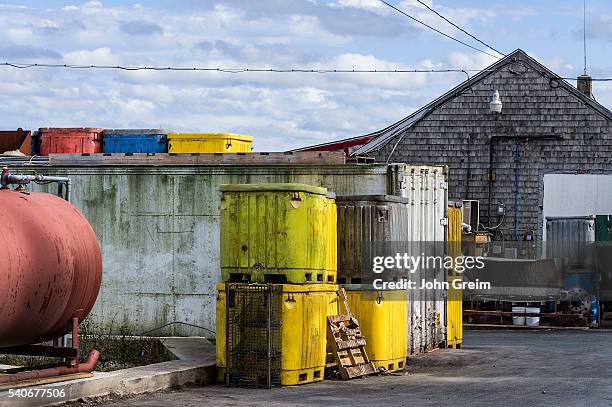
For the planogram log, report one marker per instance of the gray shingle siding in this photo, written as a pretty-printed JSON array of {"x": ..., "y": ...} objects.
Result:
[{"x": 457, "y": 133}]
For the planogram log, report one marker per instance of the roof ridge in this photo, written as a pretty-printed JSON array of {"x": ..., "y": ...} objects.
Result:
[{"x": 518, "y": 55}]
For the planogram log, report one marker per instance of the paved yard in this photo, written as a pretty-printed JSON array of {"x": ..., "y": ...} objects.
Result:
[{"x": 495, "y": 368}]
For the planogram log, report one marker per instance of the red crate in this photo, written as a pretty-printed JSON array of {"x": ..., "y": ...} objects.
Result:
[{"x": 70, "y": 140}]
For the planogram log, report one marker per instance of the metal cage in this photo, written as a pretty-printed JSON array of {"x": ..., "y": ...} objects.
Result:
[{"x": 253, "y": 340}]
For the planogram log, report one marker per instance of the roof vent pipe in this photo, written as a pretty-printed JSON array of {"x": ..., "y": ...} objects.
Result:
[{"x": 584, "y": 83}]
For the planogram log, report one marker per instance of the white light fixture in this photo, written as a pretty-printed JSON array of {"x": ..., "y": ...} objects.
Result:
[{"x": 495, "y": 105}]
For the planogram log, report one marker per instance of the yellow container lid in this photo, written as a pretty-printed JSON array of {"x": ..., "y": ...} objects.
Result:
[
  {"x": 210, "y": 136},
  {"x": 273, "y": 188}
]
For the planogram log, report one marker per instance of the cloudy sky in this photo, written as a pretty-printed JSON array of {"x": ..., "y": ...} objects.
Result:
[{"x": 284, "y": 110}]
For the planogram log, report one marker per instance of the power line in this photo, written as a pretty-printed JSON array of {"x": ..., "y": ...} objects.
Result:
[
  {"x": 259, "y": 70},
  {"x": 438, "y": 31},
  {"x": 233, "y": 70},
  {"x": 459, "y": 28},
  {"x": 584, "y": 35}
]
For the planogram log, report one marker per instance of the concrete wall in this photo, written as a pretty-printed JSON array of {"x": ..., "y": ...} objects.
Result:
[{"x": 159, "y": 232}]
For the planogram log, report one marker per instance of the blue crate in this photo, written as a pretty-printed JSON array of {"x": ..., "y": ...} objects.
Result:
[{"x": 135, "y": 141}]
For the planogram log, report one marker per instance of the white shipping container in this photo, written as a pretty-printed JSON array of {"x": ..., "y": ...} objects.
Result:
[{"x": 426, "y": 188}]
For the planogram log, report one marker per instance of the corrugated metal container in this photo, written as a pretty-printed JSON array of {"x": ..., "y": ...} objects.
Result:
[
  {"x": 426, "y": 188},
  {"x": 173, "y": 213},
  {"x": 568, "y": 237},
  {"x": 382, "y": 319},
  {"x": 568, "y": 241},
  {"x": 454, "y": 301},
  {"x": 570, "y": 229},
  {"x": 277, "y": 233},
  {"x": 209, "y": 143},
  {"x": 367, "y": 218},
  {"x": 305, "y": 308},
  {"x": 19, "y": 140},
  {"x": 70, "y": 140},
  {"x": 135, "y": 141}
]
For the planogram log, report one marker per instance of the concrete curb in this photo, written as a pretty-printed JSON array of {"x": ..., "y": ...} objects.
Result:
[{"x": 195, "y": 364}]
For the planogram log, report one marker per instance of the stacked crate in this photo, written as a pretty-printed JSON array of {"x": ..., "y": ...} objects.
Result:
[
  {"x": 382, "y": 314},
  {"x": 185, "y": 143},
  {"x": 131, "y": 141},
  {"x": 454, "y": 302},
  {"x": 278, "y": 265},
  {"x": 72, "y": 140}
]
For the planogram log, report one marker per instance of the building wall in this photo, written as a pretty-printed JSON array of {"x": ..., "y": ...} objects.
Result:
[
  {"x": 158, "y": 228},
  {"x": 458, "y": 133}
]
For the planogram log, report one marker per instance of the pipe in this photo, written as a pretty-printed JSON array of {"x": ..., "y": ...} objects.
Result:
[
  {"x": 7, "y": 179},
  {"x": 492, "y": 153},
  {"x": 517, "y": 158},
  {"x": 86, "y": 367}
]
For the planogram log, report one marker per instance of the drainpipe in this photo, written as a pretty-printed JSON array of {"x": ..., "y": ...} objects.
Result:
[
  {"x": 492, "y": 141},
  {"x": 517, "y": 156}
]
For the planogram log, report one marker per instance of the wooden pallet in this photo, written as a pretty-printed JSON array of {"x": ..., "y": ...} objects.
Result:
[{"x": 347, "y": 343}]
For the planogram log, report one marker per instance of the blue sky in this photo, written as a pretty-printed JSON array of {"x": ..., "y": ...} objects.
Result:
[{"x": 281, "y": 111}]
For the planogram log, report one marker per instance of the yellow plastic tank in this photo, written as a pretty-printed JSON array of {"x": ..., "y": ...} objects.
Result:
[
  {"x": 382, "y": 317},
  {"x": 277, "y": 233},
  {"x": 304, "y": 314},
  {"x": 454, "y": 304},
  {"x": 209, "y": 143}
]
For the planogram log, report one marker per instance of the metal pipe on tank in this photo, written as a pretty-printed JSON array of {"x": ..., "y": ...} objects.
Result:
[{"x": 7, "y": 179}]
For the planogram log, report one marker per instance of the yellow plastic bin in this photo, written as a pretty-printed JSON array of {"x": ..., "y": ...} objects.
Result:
[
  {"x": 209, "y": 143},
  {"x": 382, "y": 317},
  {"x": 454, "y": 301},
  {"x": 304, "y": 314},
  {"x": 277, "y": 233}
]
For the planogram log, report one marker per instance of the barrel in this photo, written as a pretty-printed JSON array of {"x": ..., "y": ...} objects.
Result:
[{"x": 51, "y": 267}]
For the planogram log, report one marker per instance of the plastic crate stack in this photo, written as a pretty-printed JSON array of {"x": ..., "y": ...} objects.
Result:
[
  {"x": 278, "y": 266},
  {"x": 85, "y": 140}
]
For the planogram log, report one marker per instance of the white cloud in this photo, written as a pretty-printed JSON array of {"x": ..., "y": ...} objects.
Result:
[
  {"x": 470, "y": 61},
  {"x": 99, "y": 56},
  {"x": 374, "y": 5},
  {"x": 19, "y": 35},
  {"x": 281, "y": 110}
]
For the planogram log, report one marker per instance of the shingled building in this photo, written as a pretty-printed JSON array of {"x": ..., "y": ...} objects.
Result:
[{"x": 546, "y": 125}]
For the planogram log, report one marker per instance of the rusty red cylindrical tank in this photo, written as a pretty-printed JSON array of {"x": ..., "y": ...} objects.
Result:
[{"x": 50, "y": 267}]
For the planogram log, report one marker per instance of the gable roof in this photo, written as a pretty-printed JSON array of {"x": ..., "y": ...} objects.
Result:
[{"x": 381, "y": 137}]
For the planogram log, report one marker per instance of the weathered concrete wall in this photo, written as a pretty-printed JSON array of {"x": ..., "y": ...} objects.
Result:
[{"x": 159, "y": 232}]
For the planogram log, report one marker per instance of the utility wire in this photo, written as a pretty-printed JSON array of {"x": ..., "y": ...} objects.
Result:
[
  {"x": 459, "y": 28},
  {"x": 584, "y": 35},
  {"x": 232, "y": 70},
  {"x": 438, "y": 31},
  {"x": 260, "y": 70}
]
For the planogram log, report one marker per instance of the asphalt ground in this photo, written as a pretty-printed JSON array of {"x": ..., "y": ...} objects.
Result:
[{"x": 494, "y": 368}]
